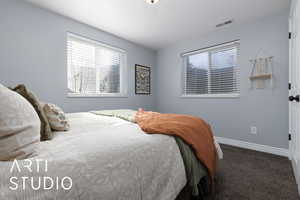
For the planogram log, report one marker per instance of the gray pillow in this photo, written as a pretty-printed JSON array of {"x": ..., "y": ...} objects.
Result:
[
  {"x": 19, "y": 126},
  {"x": 46, "y": 133}
]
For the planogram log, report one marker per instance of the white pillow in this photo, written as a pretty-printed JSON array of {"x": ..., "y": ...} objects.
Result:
[{"x": 19, "y": 126}]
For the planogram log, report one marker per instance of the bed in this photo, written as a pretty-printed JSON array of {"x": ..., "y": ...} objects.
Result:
[{"x": 105, "y": 157}]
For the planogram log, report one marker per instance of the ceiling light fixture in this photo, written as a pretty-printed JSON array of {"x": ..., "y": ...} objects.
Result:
[{"x": 152, "y": 1}]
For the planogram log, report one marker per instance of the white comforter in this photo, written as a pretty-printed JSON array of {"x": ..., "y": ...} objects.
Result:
[{"x": 106, "y": 158}]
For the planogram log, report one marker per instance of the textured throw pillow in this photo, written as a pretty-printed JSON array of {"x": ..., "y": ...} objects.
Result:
[
  {"x": 46, "y": 133},
  {"x": 56, "y": 117},
  {"x": 19, "y": 126}
]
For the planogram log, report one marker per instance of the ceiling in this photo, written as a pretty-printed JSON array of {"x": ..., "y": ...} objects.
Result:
[{"x": 167, "y": 22}]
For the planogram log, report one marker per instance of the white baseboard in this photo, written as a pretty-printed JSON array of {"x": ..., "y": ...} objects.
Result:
[{"x": 253, "y": 146}]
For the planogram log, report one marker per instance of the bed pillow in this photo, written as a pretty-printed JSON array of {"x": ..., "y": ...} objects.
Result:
[
  {"x": 56, "y": 117},
  {"x": 19, "y": 126},
  {"x": 46, "y": 133}
]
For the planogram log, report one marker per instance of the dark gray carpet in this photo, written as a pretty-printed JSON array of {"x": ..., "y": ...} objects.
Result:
[{"x": 250, "y": 175}]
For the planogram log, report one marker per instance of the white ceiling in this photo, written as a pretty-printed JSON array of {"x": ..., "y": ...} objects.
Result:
[{"x": 162, "y": 24}]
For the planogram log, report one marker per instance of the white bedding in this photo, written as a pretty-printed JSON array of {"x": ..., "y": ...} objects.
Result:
[{"x": 107, "y": 158}]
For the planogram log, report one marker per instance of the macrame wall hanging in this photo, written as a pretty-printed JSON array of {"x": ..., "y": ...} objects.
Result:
[{"x": 262, "y": 72}]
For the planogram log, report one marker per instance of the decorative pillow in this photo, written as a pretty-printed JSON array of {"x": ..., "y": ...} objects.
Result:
[
  {"x": 46, "y": 133},
  {"x": 56, "y": 117},
  {"x": 19, "y": 126}
]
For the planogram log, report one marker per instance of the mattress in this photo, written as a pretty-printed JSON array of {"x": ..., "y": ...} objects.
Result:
[{"x": 99, "y": 158}]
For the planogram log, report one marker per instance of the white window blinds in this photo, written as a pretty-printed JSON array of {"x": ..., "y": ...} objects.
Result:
[
  {"x": 212, "y": 71},
  {"x": 94, "y": 69}
]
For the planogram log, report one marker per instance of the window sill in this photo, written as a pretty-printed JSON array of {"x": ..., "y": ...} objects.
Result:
[
  {"x": 215, "y": 96},
  {"x": 72, "y": 95}
]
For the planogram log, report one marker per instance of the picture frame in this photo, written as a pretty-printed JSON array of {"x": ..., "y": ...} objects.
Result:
[{"x": 142, "y": 80}]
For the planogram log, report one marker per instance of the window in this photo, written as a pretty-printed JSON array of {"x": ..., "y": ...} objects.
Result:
[
  {"x": 212, "y": 72},
  {"x": 94, "y": 69}
]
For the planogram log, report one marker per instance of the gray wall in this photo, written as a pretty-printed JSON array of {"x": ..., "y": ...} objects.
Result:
[
  {"x": 33, "y": 52},
  {"x": 232, "y": 118}
]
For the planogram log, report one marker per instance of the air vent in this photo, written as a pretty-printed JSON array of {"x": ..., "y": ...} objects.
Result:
[{"x": 224, "y": 23}]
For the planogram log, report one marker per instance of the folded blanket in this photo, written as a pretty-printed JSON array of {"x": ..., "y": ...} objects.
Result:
[
  {"x": 192, "y": 130},
  {"x": 125, "y": 114}
]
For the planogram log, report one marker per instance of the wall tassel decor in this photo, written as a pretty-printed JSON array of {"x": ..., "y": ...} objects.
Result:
[{"x": 262, "y": 73}]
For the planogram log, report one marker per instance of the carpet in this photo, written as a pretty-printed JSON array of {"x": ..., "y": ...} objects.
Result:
[{"x": 250, "y": 175}]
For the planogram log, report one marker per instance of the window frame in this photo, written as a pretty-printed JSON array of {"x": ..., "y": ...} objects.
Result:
[
  {"x": 123, "y": 69},
  {"x": 210, "y": 50}
]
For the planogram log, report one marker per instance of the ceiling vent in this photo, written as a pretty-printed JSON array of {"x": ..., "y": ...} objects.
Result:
[{"x": 224, "y": 23}]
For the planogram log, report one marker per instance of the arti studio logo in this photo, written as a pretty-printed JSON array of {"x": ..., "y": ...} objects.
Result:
[{"x": 35, "y": 182}]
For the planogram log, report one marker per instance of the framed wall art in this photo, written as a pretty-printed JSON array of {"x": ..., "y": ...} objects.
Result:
[{"x": 142, "y": 80}]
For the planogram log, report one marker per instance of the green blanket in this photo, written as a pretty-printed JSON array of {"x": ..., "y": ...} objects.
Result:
[
  {"x": 195, "y": 171},
  {"x": 125, "y": 114}
]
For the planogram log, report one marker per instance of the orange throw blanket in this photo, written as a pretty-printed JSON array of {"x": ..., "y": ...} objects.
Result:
[{"x": 194, "y": 131}]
